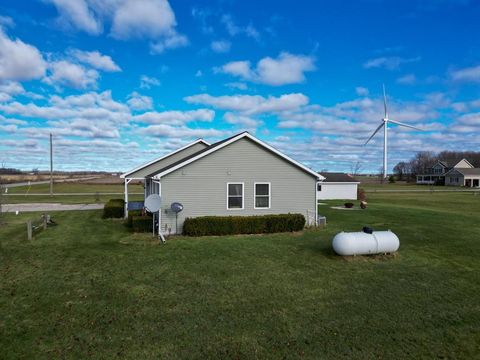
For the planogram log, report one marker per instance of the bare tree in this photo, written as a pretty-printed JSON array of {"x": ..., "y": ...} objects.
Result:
[{"x": 355, "y": 168}]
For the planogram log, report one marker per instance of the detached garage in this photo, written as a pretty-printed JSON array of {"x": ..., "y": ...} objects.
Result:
[{"x": 337, "y": 186}]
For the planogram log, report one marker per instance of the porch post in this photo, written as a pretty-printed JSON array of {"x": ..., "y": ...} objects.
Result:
[{"x": 126, "y": 198}]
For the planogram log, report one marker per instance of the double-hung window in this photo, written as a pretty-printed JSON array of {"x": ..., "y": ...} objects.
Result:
[
  {"x": 262, "y": 195},
  {"x": 235, "y": 196}
]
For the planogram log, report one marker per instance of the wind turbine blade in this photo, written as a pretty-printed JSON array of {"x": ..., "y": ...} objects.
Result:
[
  {"x": 378, "y": 128},
  {"x": 402, "y": 124},
  {"x": 385, "y": 102}
]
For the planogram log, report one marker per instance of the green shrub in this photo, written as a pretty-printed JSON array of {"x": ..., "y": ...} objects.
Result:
[
  {"x": 114, "y": 208},
  {"x": 391, "y": 179},
  {"x": 142, "y": 223},
  {"x": 137, "y": 213},
  {"x": 230, "y": 225}
]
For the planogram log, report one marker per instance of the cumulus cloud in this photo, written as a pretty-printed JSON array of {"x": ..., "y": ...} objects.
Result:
[
  {"x": 139, "y": 102},
  {"x": 233, "y": 29},
  {"x": 220, "y": 46},
  {"x": 169, "y": 131},
  {"x": 389, "y": 62},
  {"x": 242, "y": 121},
  {"x": 129, "y": 19},
  {"x": 172, "y": 41},
  {"x": 175, "y": 117},
  {"x": 66, "y": 73},
  {"x": 146, "y": 82},
  {"x": 77, "y": 14},
  {"x": 251, "y": 104},
  {"x": 469, "y": 74},
  {"x": 285, "y": 69},
  {"x": 96, "y": 60},
  {"x": 19, "y": 61}
]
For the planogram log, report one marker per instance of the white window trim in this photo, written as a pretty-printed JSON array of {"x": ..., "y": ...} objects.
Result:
[
  {"x": 269, "y": 195},
  {"x": 243, "y": 195}
]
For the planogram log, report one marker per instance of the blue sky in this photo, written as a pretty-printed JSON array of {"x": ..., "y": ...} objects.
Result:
[{"x": 120, "y": 82}]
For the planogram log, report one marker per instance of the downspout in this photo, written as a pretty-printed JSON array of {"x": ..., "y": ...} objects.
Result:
[{"x": 159, "y": 229}]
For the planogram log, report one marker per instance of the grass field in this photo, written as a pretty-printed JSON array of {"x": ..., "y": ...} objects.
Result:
[
  {"x": 89, "y": 289},
  {"x": 22, "y": 193}
]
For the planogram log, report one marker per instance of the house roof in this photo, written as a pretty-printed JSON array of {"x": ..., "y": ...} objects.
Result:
[
  {"x": 164, "y": 157},
  {"x": 220, "y": 144},
  {"x": 466, "y": 171},
  {"x": 337, "y": 177}
]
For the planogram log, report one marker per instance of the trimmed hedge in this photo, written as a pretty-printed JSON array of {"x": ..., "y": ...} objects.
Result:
[
  {"x": 136, "y": 214},
  {"x": 114, "y": 208},
  {"x": 142, "y": 224},
  {"x": 230, "y": 225}
]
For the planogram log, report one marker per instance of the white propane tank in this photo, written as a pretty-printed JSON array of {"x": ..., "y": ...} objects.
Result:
[{"x": 361, "y": 243}]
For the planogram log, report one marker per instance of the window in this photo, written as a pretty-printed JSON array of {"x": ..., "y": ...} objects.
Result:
[
  {"x": 319, "y": 187},
  {"x": 234, "y": 196},
  {"x": 262, "y": 195}
]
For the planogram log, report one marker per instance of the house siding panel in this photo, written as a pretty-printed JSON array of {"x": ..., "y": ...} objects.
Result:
[
  {"x": 142, "y": 173},
  {"x": 202, "y": 185}
]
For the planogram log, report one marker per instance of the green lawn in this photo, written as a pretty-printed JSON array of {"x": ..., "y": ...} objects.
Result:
[{"x": 89, "y": 289}]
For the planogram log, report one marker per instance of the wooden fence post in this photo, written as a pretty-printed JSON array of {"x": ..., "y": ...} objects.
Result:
[
  {"x": 44, "y": 221},
  {"x": 29, "y": 229}
]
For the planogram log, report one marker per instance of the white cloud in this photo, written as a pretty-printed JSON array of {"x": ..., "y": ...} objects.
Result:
[
  {"x": 286, "y": 69},
  {"x": 139, "y": 102},
  {"x": 251, "y": 104},
  {"x": 470, "y": 74},
  {"x": 389, "y": 63},
  {"x": 199, "y": 73},
  {"x": 77, "y": 14},
  {"x": 175, "y": 117},
  {"x": 361, "y": 91},
  {"x": 73, "y": 75},
  {"x": 6, "y": 21},
  {"x": 19, "y": 61},
  {"x": 164, "y": 130},
  {"x": 233, "y": 29},
  {"x": 129, "y": 19},
  {"x": 242, "y": 121},
  {"x": 221, "y": 46},
  {"x": 96, "y": 60},
  {"x": 408, "y": 79},
  {"x": 237, "y": 85},
  {"x": 173, "y": 41},
  {"x": 146, "y": 82},
  {"x": 142, "y": 19}
]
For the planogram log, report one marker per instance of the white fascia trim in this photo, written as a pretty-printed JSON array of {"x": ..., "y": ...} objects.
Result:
[
  {"x": 338, "y": 183},
  {"x": 269, "y": 195},
  {"x": 232, "y": 140},
  {"x": 164, "y": 156}
]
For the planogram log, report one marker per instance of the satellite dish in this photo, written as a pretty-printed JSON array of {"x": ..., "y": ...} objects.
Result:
[
  {"x": 176, "y": 207},
  {"x": 153, "y": 202}
]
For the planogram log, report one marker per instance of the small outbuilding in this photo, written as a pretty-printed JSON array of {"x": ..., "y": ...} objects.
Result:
[{"x": 337, "y": 186}]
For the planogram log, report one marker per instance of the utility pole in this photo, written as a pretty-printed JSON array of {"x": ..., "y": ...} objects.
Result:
[{"x": 51, "y": 166}]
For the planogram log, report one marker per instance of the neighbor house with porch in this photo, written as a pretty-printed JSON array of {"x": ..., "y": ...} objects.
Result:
[
  {"x": 238, "y": 176},
  {"x": 461, "y": 174}
]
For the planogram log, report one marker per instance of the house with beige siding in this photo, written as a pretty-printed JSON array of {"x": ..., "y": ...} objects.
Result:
[{"x": 240, "y": 175}]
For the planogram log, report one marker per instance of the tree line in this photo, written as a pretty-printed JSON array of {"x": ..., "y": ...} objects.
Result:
[{"x": 424, "y": 160}]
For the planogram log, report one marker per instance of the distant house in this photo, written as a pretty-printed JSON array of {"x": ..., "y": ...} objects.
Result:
[
  {"x": 434, "y": 175},
  {"x": 461, "y": 174},
  {"x": 337, "y": 186},
  {"x": 241, "y": 175}
]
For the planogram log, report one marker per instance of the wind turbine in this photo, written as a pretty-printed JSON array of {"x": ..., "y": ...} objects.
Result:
[{"x": 385, "y": 122}]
